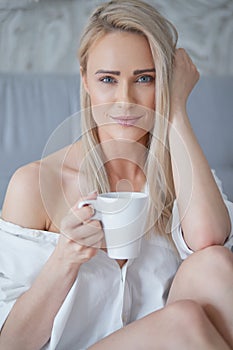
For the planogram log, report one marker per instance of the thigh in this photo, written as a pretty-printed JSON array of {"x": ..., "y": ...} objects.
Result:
[
  {"x": 207, "y": 278},
  {"x": 181, "y": 325}
]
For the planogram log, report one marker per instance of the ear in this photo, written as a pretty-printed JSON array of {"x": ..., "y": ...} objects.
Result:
[{"x": 84, "y": 79}]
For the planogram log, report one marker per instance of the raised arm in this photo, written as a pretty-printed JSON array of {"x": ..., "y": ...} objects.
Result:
[{"x": 204, "y": 217}]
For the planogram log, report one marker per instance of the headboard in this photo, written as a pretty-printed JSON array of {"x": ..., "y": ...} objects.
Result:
[{"x": 32, "y": 106}]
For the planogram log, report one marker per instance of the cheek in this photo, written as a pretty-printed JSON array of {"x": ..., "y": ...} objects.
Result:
[
  {"x": 99, "y": 112},
  {"x": 147, "y": 98},
  {"x": 100, "y": 94},
  {"x": 100, "y": 104},
  {"x": 151, "y": 100}
]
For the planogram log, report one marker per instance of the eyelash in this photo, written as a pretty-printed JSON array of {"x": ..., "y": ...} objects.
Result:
[
  {"x": 151, "y": 79},
  {"x": 113, "y": 80},
  {"x": 107, "y": 77}
]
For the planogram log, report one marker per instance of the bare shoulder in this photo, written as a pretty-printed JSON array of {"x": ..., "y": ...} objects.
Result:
[
  {"x": 41, "y": 193},
  {"x": 60, "y": 183},
  {"x": 23, "y": 205}
]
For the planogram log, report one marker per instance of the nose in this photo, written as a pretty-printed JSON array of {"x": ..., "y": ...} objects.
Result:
[{"x": 124, "y": 94}]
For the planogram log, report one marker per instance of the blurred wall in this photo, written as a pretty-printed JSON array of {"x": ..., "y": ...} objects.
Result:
[
  {"x": 39, "y": 82},
  {"x": 43, "y": 35}
]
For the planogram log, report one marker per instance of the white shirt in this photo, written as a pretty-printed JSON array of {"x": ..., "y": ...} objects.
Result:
[{"x": 104, "y": 297}]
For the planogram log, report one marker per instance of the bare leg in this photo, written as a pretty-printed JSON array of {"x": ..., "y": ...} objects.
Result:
[
  {"x": 207, "y": 278},
  {"x": 181, "y": 325}
]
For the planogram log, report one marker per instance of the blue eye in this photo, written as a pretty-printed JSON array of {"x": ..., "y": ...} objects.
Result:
[
  {"x": 107, "y": 80},
  {"x": 145, "y": 79}
]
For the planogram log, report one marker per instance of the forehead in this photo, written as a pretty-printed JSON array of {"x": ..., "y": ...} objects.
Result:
[{"x": 120, "y": 49}]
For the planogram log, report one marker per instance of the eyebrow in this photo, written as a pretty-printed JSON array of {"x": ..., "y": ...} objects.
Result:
[
  {"x": 141, "y": 71},
  {"x": 114, "y": 72}
]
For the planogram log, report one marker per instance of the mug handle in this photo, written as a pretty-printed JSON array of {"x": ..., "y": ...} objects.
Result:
[{"x": 88, "y": 202}]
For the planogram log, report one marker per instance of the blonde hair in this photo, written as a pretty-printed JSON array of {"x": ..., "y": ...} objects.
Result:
[{"x": 137, "y": 17}]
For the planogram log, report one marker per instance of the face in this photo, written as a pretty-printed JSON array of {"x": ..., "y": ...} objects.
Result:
[{"x": 120, "y": 80}]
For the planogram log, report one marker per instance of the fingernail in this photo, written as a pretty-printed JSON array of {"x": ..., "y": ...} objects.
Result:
[
  {"x": 93, "y": 192},
  {"x": 92, "y": 210}
]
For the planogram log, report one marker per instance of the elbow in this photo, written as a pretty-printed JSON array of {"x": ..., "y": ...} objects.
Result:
[{"x": 199, "y": 238}]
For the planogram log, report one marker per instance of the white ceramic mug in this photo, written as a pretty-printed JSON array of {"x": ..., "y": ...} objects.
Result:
[{"x": 123, "y": 216}]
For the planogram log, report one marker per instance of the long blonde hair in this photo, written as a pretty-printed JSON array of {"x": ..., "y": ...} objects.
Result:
[{"x": 137, "y": 17}]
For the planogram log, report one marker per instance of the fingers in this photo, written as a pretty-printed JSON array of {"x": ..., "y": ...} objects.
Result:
[
  {"x": 78, "y": 227},
  {"x": 80, "y": 221},
  {"x": 184, "y": 78},
  {"x": 182, "y": 54},
  {"x": 81, "y": 237},
  {"x": 89, "y": 234},
  {"x": 182, "y": 58},
  {"x": 78, "y": 216}
]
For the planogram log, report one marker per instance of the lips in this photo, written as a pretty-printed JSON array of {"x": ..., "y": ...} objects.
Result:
[{"x": 126, "y": 120}]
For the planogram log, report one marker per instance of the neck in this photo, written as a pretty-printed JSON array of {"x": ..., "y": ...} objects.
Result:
[{"x": 124, "y": 162}]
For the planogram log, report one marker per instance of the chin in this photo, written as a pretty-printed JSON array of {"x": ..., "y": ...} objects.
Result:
[{"x": 121, "y": 132}]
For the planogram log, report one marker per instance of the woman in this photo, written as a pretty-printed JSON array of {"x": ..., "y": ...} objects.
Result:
[{"x": 136, "y": 137}]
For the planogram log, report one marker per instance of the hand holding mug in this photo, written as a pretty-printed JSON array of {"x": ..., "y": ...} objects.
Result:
[
  {"x": 80, "y": 236},
  {"x": 123, "y": 216}
]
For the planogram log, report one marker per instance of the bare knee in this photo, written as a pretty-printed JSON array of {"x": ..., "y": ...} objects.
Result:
[
  {"x": 213, "y": 264},
  {"x": 214, "y": 254},
  {"x": 187, "y": 314},
  {"x": 218, "y": 254},
  {"x": 192, "y": 328},
  {"x": 177, "y": 316},
  {"x": 207, "y": 278},
  {"x": 189, "y": 324}
]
